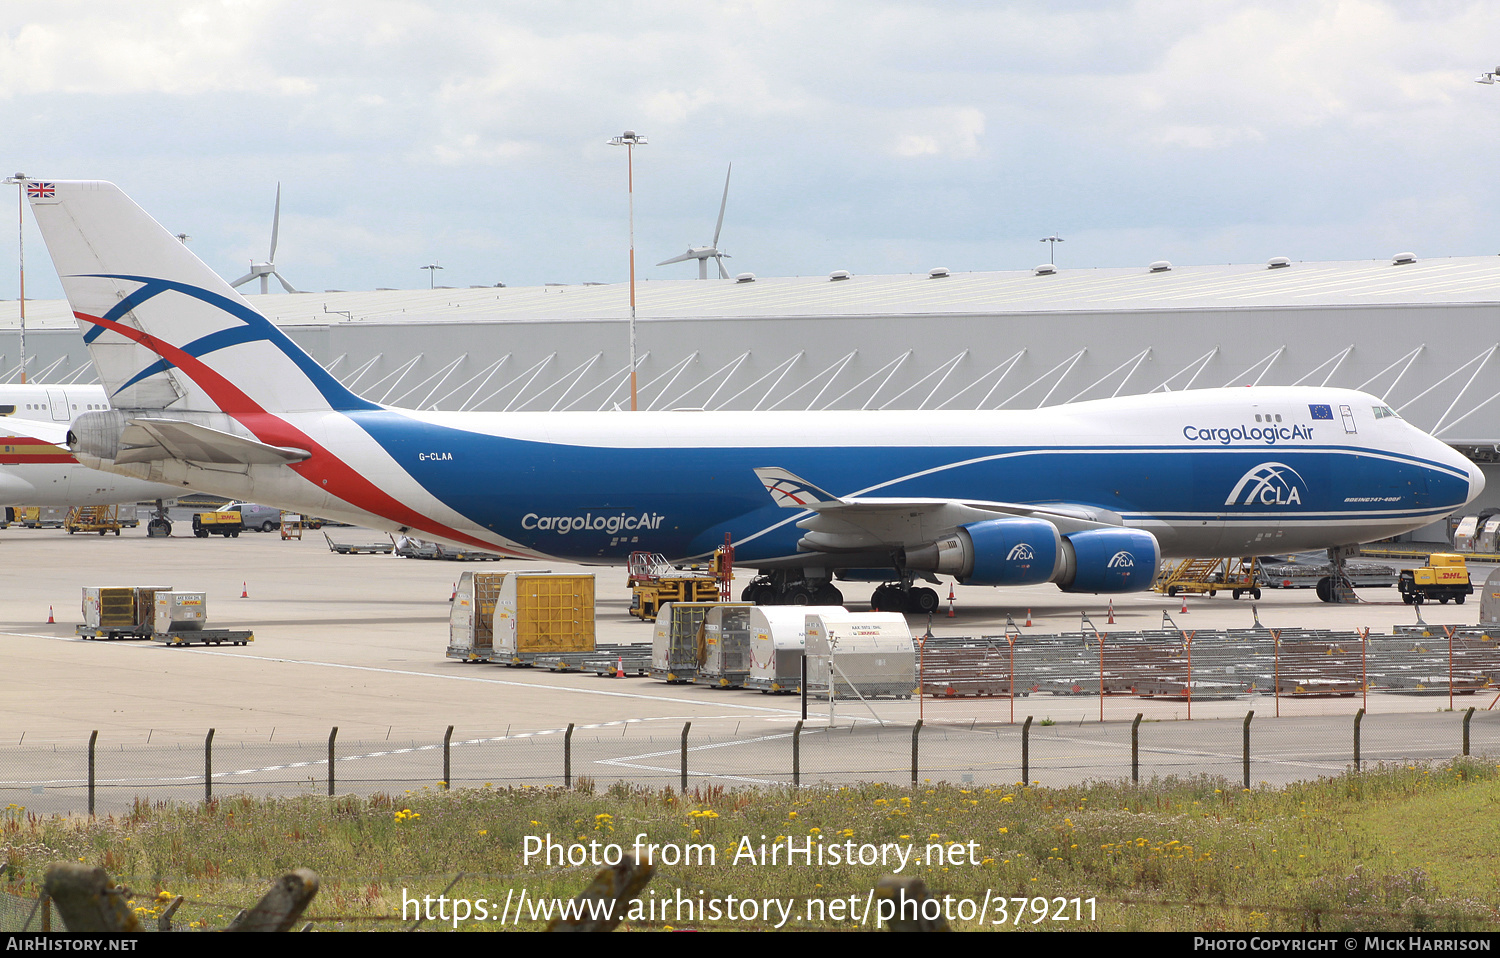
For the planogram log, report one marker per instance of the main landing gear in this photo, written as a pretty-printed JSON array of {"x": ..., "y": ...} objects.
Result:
[
  {"x": 159, "y": 526},
  {"x": 791, "y": 588},
  {"x": 901, "y": 597}
]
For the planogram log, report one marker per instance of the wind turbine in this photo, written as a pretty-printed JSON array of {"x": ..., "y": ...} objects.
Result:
[
  {"x": 710, "y": 252},
  {"x": 263, "y": 271}
]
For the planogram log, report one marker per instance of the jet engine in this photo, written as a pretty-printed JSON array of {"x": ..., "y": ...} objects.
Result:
[
  {"x": 1020, "y": 551},
  {"x": 995, "y": 552},
  {"x": 1110, "y": 560}
]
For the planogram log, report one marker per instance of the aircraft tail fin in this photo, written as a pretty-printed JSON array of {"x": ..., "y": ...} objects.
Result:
[{"x": 164, "y": 330}]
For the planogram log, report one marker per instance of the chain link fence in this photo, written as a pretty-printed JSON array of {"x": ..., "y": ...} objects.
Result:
[{"x": 1251, "y": 749}]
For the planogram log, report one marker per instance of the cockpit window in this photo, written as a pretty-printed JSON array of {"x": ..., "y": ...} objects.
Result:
[{"x": 1385, "y": 412}]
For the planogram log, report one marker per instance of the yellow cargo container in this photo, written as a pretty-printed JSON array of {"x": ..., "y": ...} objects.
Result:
[{"x": 513, "y": 617}]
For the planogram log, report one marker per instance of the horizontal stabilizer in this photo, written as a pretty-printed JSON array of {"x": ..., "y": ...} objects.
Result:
[{"x": 147, "y": 440}]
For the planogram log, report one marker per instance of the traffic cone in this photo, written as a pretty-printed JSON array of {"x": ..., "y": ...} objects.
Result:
[
  {"x": 1184, "y": 602},
  {"x": 1028, "y": 618},
  {"x": 619, "y": 668},
  {"x": 454, "y": 596},
  {"x": 50, "y": 619},
  {"x": 245, "y": 590},
  {"x": 950, "y": 601},
  {"x": 1111, "y": 612}
]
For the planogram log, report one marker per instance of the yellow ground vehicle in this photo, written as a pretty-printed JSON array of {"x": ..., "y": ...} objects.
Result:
[
  {"x": 226, "y": 524},
  {"x": 654, "y": 581},
  {"x": 100, "y": 519},
  {"x": 1444, "y": 577},
  {"x": 1198, "y": 576}
]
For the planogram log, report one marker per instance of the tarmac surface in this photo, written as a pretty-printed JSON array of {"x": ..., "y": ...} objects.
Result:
[{"x": 358, "y": 642}]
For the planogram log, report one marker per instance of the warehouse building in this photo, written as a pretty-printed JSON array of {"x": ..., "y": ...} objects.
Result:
[{"x": 1419, "y": 333}]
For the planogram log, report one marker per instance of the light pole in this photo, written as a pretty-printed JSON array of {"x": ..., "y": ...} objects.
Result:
[
  {"x": 1052, "y": 240},
  {"x": 20, "y": 180},
  {"x": 630, "y": 140},
  {"x": 432, "y": 272}
]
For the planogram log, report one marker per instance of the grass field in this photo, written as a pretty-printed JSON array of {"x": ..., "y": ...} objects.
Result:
[{"x": 1393, "y": 848}]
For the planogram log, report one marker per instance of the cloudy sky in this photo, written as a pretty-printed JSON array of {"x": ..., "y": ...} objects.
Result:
[{"x": 866, "y": 135}]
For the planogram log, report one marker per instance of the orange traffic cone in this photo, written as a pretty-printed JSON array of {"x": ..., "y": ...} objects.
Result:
[
  {"x": 1184, "y": 602},
  {"x": 245, "y": 590},
  {"x": 1111, "y": 612},
  {"x": 950, "y": 601},
  {"x": 619, "y": 668},
  {"x": 1028, "y": 618},
  {"x": 454, "y": 596},
  {"x": 50, "y": 619}
]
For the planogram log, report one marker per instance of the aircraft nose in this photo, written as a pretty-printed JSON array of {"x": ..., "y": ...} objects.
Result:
[
  {"x": 1476, "y": 481},
  {"x": 14, "y": 491}
]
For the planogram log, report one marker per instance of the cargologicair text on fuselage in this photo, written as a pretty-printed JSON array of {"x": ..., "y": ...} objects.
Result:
[{"x": 1270, "y": 435}]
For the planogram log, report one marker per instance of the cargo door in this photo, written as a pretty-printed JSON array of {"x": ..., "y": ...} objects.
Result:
[{"x": 57, "y": 402}]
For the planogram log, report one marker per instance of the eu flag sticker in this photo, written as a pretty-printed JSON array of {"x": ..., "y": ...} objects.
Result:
[{"x": 1321, "y": 412}]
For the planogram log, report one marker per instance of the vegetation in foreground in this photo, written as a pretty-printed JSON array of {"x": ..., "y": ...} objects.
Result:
[{"x": 1394, "y": 848}]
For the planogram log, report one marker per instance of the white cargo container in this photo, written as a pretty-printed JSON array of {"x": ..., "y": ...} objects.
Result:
[
  {"x": 869, "y": 651},
  {"x": 180, "y": 611},
  {"x": 778, "y": 635},
  {"x": 513, "y": 617}
]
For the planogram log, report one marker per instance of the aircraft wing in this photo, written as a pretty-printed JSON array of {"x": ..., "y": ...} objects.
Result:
[
  {"x": 146, "y": 440},
  {"x": 55, "y": 433},
  {"x": 857, "y": 524}
]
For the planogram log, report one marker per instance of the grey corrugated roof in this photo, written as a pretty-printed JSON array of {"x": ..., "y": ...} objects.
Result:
[{"x": 1465, "y": 279}]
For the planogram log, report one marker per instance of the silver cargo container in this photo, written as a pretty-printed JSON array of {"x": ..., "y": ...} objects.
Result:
[
  {"x": 180, "y": 611},
  {"x": 777, "y": 638},
  {"x": 872, "y": 652}
]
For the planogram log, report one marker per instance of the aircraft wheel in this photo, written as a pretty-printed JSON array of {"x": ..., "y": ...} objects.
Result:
[
  {"x": 762, "y": 595},
  {"x": 1325, "y": 589},
  {"x": 924, "y": 601},
  {"x": 747, "y": 594},
  {"x": 800, "y": 595},
  {"x": 829, "y": 594},
  {"x": 880, "y": 600}
]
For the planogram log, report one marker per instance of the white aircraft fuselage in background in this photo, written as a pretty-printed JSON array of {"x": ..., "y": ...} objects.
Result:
[
  {"x": 209, "y": 395},
  {"x": 36, "y": 466}
]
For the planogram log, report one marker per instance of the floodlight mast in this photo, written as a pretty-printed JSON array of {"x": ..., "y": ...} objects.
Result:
[
  {"x": 1052, "y": 242},
  {"x": 20, "y": 180},
  {"x": 630, "y": 140}
]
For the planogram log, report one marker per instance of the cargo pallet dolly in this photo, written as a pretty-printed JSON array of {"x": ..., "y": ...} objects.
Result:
[
  {"x": 204, "y": 637},
  {"x": 360, "y": 548}
]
